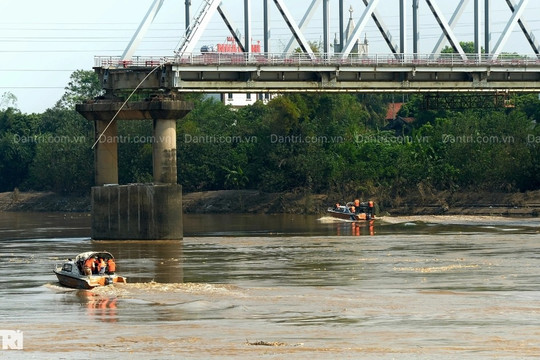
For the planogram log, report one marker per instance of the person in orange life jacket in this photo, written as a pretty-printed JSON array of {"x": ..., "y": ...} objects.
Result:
[
  {"x": 111, "y": 266},
  {"x": 89, "y": 265},
  {"x": 357, "y": 206},
  {"x": 101, "y": 265},
  {"x": 370, "y": 208}
]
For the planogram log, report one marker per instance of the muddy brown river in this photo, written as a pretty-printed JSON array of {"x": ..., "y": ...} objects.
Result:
[{"x": 278, "y": 287}]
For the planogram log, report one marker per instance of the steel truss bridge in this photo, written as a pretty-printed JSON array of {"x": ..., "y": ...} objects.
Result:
[{"x": 337, "y": 69}]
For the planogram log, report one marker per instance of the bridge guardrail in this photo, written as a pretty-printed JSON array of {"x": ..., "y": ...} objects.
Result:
[{"x": 376, "y": 60}]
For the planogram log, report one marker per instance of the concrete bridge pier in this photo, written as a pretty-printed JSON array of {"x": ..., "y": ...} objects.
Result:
[
  {"x": 136, "y": 211},
  {"x": 164, "y": 151},
  {"x": 106, "y": 153}
]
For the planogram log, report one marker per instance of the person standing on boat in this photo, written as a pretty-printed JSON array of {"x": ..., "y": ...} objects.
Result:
[
  {"x": 370, "y": 208},
  {"x": 111, "y": 266},
  {"x": 357, "y": 206}
]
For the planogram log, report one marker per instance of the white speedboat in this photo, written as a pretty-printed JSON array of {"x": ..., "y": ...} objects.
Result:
[
  {"x": 353, "y": 211},
  {"x": 74, "y": 274}
]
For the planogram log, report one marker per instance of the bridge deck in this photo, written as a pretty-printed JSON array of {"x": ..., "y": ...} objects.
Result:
[{"x": 239, "y": 72}]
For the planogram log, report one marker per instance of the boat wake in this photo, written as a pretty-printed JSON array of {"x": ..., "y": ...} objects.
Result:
[
  {"x": 57, "y": 287},
  {"x": 331, "y": 220},
  {"x": 128, "y": 289},
  {"x": 461, "y": 220}
]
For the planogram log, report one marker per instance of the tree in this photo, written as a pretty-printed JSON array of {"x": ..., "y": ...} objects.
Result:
[
  {"x": 135, "y": 155},
  {"x": 315, "y": 46},
  {"x": 213, "y": 140},
  {"x": 467, "y": 46},
  {"x": 8, "y": 100},
  {"x": 63, "y": 160},
  {"x": 529, "y": 104},
  {"x": 83, "y": 85},
  {"x": 235, "y": 178},
  {"x": 17, "y": 146}
]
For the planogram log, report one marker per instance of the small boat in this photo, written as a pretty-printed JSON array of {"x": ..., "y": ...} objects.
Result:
[
  {"x": 353, "y": 211},
  {"x": 73, "y": 274}
]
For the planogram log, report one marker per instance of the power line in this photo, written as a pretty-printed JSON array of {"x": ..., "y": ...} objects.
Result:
[
  {"x": 40, "y": 70},
  {"x": 32, "y": 87}
]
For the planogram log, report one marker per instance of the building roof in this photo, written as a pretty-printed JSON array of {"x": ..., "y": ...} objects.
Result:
[
  {"x": 392, "y": 110},
  {"x": 350, "y": 26}
]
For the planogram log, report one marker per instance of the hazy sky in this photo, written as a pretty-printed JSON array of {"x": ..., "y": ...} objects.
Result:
[{"x": 43, "y": 42}]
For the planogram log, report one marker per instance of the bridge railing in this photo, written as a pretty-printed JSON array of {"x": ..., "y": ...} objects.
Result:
[{"x": 272, "y": 59}]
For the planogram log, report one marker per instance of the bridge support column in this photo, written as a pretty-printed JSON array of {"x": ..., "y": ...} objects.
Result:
[
  {"x": 137, "y": 211},
  {"x": 106, "y": 153},
  {"x": 164, "y": 151}
]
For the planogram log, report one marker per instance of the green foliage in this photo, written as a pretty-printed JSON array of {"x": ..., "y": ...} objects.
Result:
[
  {"x": 17, "y": 147},
  {"x": 315, "y": 46},
  {"x": 52, "y": 150},
  {"x": 8, "y": 100},
  {"x": 63, "y": 160},
  {"x": 482, "y": 149},
  {"x": 213, "y": 140},
  {"x": 467, "y": 46},
  {"x": 328, "y": 142},
  {"x": 235, "y": 178},
  {"x": 528, "y": 104},
  {"x": 83, "y": 85},
  {"x": 297, "y": 142},
  {"x": 135, "y": 151}
]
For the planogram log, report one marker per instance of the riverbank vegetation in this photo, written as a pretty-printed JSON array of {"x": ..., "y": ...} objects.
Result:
[{"x": 310, "y": 143}]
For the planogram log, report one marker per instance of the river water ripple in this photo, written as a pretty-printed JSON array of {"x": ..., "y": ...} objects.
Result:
[{"x": 280, "y": 287}]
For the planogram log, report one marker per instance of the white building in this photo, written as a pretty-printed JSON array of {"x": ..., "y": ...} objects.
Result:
[
  {"x": 241, "y": 99},
  {"x": 238, "y": 99}
]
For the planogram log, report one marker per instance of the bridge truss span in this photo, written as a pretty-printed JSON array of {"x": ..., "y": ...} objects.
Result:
[{"x": 246, "y": 73}]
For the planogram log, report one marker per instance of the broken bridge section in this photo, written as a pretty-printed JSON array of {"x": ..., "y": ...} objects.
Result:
[{"x": 136, "y": 211}]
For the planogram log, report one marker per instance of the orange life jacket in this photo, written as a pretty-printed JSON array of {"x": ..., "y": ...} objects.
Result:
[
  {"x": 112, "y": 265},
  {"x": 101, "y": 264},
  {"x": 89, "y": 263}
]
